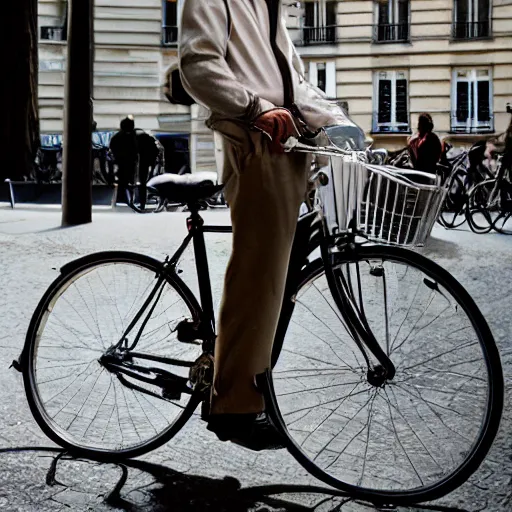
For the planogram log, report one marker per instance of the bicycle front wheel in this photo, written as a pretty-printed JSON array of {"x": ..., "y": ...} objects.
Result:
[
  {"x": 417, "y": 436},
  {"x": 77, "y": 400}
]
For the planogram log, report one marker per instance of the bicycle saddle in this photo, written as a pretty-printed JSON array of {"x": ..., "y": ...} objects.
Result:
[{"x": 185, "y": 188}]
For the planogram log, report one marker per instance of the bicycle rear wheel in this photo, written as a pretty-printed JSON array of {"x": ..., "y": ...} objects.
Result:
[
  {"x": 481, "y": 205},
  {"x": 503, "y": 223},
  {"x": 76, "y": 400},
  {"x": 413, "y": 438},
  {"x": 453, "y": 212}
]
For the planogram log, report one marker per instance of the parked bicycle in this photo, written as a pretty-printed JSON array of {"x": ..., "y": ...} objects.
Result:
[
  {"x": 386, "y": 381},
  {"x": 476, "y": 194}
]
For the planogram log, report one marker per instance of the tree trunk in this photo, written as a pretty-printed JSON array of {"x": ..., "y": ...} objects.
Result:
[
  {"x": 76, "y": 158},
  {"x": 19, "y": 127}
]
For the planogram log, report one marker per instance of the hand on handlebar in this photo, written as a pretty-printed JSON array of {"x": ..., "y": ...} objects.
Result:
[{"x": 278, "y": 124}]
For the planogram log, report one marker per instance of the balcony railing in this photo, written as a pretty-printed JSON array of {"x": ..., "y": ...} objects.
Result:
[
  {"x": 391, "y": 33},
  {"x": 470, "y": 125},
  {"x": 53, "y": 33},
  {"x": 471, "y": 30},
  {"x": 169, "y": 36},
  {"x": 395, "y": 127},
  {"x": 318, "y": 35}
]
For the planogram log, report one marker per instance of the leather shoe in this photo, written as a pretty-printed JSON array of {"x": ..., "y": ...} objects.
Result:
[{"x": 253, "y": 431}]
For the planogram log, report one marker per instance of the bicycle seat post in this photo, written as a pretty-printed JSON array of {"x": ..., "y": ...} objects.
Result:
[
  {"x": 194, "y": 221},
  {"x": 195, "y": 225}
]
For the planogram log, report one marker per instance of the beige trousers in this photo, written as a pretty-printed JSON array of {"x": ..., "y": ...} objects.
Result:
[{"x": 264, "y": 192}]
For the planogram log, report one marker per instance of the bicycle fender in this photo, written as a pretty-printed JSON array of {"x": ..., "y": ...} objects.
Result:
[{"x": 115, "y": 255}]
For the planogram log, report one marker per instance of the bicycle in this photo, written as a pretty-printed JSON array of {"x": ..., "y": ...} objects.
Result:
[
  {"x": 386, "y": 381},
  {"x": 453, "y": 213},
  {"x": 490, "y": 203},
  {"x": 493, "y": 197}
]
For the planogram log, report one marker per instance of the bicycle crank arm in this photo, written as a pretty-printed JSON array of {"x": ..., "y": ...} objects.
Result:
[
  {"x": 140, "y": 389},
  {"x": 172, "y": 386}
]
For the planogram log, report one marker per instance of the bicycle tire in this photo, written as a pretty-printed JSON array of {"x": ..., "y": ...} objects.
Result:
[
  {"x": 453, "y": 212},
  {"x": 493, "y": 397},
  {"x": 503, "y": 223},
  {"x": 88, "y": 267},
  {"x": 478, "y": 214}
]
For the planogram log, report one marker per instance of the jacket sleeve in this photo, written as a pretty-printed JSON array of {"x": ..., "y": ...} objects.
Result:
[{"x": 204, "y": 71}]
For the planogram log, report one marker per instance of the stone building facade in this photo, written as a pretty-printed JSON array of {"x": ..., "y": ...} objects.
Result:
[{"x": 387, "y": 60}]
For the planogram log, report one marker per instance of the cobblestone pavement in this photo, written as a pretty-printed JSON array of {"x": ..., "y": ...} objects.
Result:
[{"x": 194, "y": 472}]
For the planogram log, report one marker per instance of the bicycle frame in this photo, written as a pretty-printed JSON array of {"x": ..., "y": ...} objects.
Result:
[{"x": 310, "y": 236}]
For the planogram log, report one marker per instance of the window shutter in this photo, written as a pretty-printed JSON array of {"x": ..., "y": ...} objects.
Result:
[
  {"x": 384, "y": 13},
  {"x": 330, "y": 13},
  {"x": 483, "y": 10},
  {"x": 483, "y": 107},
  {"x": 310, "y": 14},
  {"x": 330, "y": 21},
  {"x": 313, "y": 76},
  {"x": 483, "y": 27},
  {"x": 403, "y": 12},
  {"x": 462, "y": 102},
  {"x": 401, "y": 101},
  {"x": 403, "y": 20},
  {"x": 171, "y": 13},
  {"x": 330, "y": 72},
  {"x": 462, "y": 11},
  {"x": 384, "y": 101}
]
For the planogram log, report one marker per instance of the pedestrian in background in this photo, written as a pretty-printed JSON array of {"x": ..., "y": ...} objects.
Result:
[
  {"x": 123, "y": 146},
  {"x": 149, "y": 151},
  {"x": 425, "y": 147}
]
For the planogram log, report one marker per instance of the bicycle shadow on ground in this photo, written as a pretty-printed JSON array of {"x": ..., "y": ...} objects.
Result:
[
  {"x": 438, "y": 247},
  {"x": 142, "y": 486}
]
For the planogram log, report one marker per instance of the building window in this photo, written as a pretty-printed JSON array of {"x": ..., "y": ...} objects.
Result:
[
  {"x": 392, "y": 21},
  {"x": 171, "y": 16},
  {"x": 319, "y": 22},
  {"x": 323, "y": 76},
  {"x": 57, "y": 32},
  {"x": 471, "y": 19},
  {"x": 472, "y": 101},
  {"x": 391, "y": 102}
]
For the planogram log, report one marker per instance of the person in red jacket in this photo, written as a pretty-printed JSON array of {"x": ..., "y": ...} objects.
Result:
[{"x": 425, "y": 147}]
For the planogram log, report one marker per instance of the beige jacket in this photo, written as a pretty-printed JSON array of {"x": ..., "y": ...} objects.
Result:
[{"x": 232, "y": 70}]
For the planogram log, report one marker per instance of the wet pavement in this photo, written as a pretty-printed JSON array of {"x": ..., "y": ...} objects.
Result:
[{"x": 194, "y": 471}]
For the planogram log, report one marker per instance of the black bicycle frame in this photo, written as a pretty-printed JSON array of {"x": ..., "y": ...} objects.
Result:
[{"x": 310, "y": 235}]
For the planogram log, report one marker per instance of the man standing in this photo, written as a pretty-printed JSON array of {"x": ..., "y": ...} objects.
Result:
[
  {"x": 237, "y": 60},
  {"x": 123, "y": 146},
  {"x": 149, "y": 150}
]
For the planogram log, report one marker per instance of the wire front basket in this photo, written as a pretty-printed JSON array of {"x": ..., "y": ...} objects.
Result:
[{"x": 383, "y": 203}]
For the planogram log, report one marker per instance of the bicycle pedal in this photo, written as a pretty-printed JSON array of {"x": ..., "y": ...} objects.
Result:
[
  {"x": 201, "y": 374},
  {"x": 188, "y": 331}
]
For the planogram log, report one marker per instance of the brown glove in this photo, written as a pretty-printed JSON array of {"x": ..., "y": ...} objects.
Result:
[{"x": 279, "y": 125}]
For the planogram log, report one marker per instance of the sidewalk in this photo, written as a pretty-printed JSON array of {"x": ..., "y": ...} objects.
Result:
[{"x": 194, "y": 472}]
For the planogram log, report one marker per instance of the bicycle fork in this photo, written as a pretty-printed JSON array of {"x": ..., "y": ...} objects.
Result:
[{"x": 380, "y": 367}]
